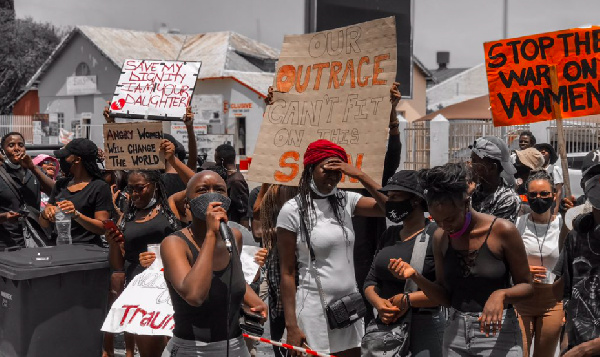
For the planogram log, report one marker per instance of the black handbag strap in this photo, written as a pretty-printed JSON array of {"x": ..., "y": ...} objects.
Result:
[
  {"x": 12, "y": 185},
  {"x": 27, "y": 227},
  {"x": 311, "y": 253}
]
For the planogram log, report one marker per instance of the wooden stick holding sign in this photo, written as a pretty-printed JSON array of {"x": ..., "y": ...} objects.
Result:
[
  {"x": 133, "y": 146},
  {"x": 562, "y": 151}
]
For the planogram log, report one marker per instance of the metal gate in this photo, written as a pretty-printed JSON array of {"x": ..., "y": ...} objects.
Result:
[{"x": 416, "y": 145}]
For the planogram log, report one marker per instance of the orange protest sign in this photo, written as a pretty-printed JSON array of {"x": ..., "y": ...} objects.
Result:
[{"x": 519, "y": 81}]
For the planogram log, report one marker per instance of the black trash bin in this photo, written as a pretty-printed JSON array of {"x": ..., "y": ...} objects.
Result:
[{"x": 53, "y": 301}]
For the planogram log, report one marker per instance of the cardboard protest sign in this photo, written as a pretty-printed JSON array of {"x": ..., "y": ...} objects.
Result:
[
  {"x": 154, "y": 89},
  {"x": 332, "y": 85},
  {"x": 520, "y": 81},
  {"x": 131, "y": 146}
]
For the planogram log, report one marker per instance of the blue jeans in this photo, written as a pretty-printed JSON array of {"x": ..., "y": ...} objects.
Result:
[
  {"x": 426, "y": 334},
  {"x": 462, "y": 336}
]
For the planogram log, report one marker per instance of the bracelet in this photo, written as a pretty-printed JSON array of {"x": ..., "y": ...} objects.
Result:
[
  {"x": 394, "y": 125},
  {"x": 76, "y": 214},
  {"x": 408, "y": 300}
]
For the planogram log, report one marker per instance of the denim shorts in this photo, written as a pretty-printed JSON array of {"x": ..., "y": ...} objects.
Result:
[{"x": 462, "y": 336}]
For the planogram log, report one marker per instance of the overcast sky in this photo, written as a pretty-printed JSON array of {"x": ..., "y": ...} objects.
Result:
[{"x": 458, "y": 26}]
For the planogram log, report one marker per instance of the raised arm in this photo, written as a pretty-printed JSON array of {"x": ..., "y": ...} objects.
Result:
[
  {"x": 46, "y": 183},
  {"x": 193, "y": 282},
  {"x": 366, "y": 206},
  {"x": 188, "y": 120},
  {"x": 394, "y": 147},
  {"x": 184, "y": 172}
]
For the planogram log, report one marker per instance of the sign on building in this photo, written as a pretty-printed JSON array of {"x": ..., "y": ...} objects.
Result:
[
  {"x": 208, "y": 143},
  {"x": 208, "y": 109},
  {"x": 81, "y": 85}
]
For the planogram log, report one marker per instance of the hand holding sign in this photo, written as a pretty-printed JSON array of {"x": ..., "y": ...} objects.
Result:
[
  {"x": 168, "y": 149},
  {"x": 188, "y": 117}
]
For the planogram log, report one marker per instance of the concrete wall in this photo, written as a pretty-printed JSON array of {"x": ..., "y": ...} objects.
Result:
[
  {"x": 466, "y": 85},
  {"x": 235, "y": 93},
  {"x": 52, "y": 90},
  {"x": 415, "y": 108}
]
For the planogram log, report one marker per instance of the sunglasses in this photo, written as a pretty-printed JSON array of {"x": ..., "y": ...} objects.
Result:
[
  {"x": 542, "y": 194},
  {"x": 137, "y": 188}
]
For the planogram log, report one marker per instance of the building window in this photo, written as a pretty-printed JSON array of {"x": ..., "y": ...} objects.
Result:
[
  {"x": 82, "y": 69},
  {"x": 61, "y": 120}
]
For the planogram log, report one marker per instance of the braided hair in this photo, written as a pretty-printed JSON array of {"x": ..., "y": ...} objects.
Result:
[
  {"x": 152, "y": 176},
  {"x": 306, "y": 206},
  {"x": 274, "y": 199}
]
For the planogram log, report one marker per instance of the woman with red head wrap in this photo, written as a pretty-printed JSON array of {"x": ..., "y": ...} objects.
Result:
[{"x": 326, "y": 213}]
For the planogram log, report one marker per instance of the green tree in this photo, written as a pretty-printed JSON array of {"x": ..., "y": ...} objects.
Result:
[{"x": 26, "y": 44}]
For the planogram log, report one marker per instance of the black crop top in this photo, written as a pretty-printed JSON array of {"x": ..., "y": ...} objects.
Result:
[
  {"x": 473, "y": 276},
  {"x": 206, "y": 322}
]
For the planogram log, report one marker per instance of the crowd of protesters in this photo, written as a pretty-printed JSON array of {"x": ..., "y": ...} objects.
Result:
[{"x": 466, "y": 259}]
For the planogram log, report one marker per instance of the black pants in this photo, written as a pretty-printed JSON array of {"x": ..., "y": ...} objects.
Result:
[{"x": 277, "y": 326}]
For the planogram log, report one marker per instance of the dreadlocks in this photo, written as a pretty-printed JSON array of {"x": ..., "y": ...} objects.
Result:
[
  {"x": 274, "y": 199},
  {"x": 153, "y": 176},
  {"x": 306, "y": 207}
]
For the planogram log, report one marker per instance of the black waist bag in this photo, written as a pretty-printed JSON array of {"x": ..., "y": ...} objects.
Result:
[{"x": 345, "y": 311}]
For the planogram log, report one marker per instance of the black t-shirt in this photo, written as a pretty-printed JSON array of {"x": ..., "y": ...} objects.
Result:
[
  {"x": 11, "y": 234},
  {"x": 237, "y": 190},
  {"x": 173, "y": 183},
  {"x": 392, "y": 247},
  {"x": 579, "y": 266},
  {"x": 138, "y": 235},
  {"x": 94, "y": 197}
]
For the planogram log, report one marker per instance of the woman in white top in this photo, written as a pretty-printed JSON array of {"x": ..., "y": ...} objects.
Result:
[
  {"x": 327, "y": 214},
  {"x": 541, "y": 315}
]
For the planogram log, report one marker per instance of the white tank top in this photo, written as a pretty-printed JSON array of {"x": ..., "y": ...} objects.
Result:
[{"x": 543, "y": 249}]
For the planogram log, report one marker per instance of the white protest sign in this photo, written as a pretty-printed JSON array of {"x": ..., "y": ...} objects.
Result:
[
  {"x": 144, "y": 307},
  {"x": 154, "y": 89}
]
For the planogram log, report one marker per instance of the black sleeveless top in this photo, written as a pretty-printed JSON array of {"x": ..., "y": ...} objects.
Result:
[
  {"x": 207, "y": 322},
  {"x": 473, "y": 276},
  {"x": 138, "y": 235}
]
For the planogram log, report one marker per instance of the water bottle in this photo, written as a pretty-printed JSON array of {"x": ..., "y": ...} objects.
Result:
[{"x": 63, "y": 227}]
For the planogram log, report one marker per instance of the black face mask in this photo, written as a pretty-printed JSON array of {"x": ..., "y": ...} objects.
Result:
[
  {"x": 397, "y": 211},
  {"x": 540, "y": 205},
  {"x": 65, "y": 166},
  {"x": 199, "y": 205}
]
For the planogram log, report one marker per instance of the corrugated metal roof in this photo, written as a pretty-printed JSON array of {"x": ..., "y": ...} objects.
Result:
[{"x": 220, "y": 52}]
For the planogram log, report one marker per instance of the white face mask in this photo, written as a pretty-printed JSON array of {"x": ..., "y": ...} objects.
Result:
[
  {"x": 152, "y": 200},
  {"x": 313, "y": 187}
]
